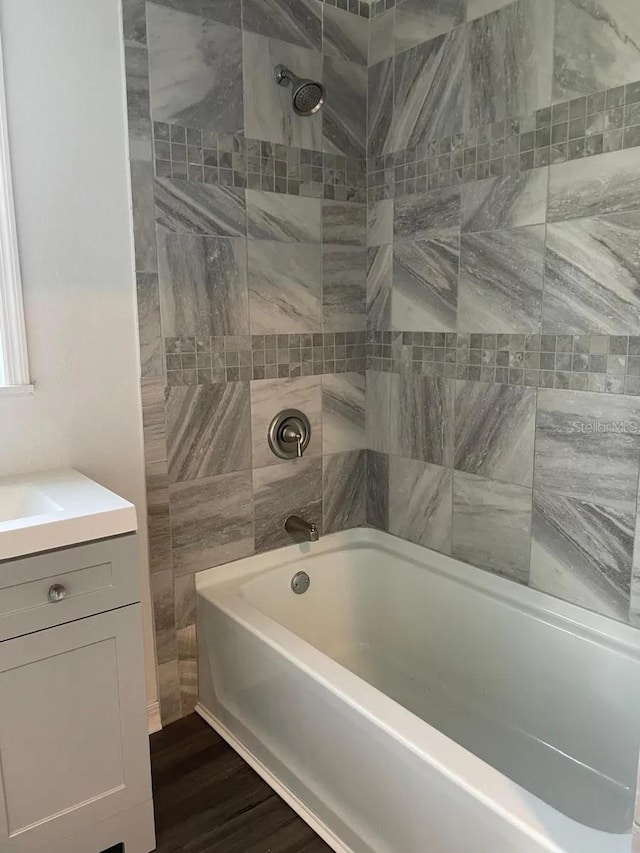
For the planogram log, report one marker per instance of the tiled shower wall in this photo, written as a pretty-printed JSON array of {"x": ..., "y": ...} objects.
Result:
[
  {"x": 250, "y": 235},
  {"x": 503, "y": 293}
]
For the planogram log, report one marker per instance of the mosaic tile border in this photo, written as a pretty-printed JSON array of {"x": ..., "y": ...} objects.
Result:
[
  {"x": 583, "y": 127},
  {"x": 606, "y": 363},
  {"x": 364, "y": 8},
  {"x": 203, "y": 156},
  {"x": 238, "y": 358}
]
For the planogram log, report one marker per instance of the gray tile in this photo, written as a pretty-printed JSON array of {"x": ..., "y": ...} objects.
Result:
[
  {"x": 345, "y": 35},
  {"x": 185, "y": 601},
  {"x": 295, "y": 21},
  {"x": 195, "y": 70},
  {"x": 343, "y": 491},
  {"x": 592, "y": 277},
  {"x": 294, "y": 488},
  {"x": 381, "y": 43},
  {"x": 343, "y": 412},
  {"x": 582, "y": 552},
  {"x": 268, "y": 398},
  {"x": 144, "y": 232},
  {"x": 380, "y": 113},
  {"x": 501, "y": 275},
  {"x": 192, "y": 208},
  {"x": 380, "y": 223},
  {"x": 587, "y": 447},
  {"x": 495, "y": 430},
  {"x": 169, "y": 692},
  {"x": 345, "y": 109},
  {"x": 377, "y": 489},
  {"x": 508, "y": 68},
  {"x": 211, "y": 521},
  {"x": 272, "y": 216},
  {"x": 187, "y": 668},
  {"x": 285, "y": 287},
  {"x": 608, "y": 183},
  {"x": 422, "y": 418},
  {"x": 425, "y": 284},
  {"x": 138, "y": 104},
  {"x": 418, "y": 22},
  {"x": 379, "y": 283},
  {"x": 424, "y": 217},
  {"x": 505, "y": 202},
  {"x": 420, "y": 503},
  {"x": 491, "y": 525},
  {"x": 158, "y": 522},
  {"x": 268, "y": 112},
  {"x": 479, "y": 8},
  {"x": 343, "y": 222},
  {"x": 153, "y": 421},
  {"x": 611, "y": 30},
  {"x": 428, "y": 90},
  {"x": 149, "y": 330},
  {"x": 344, "y": 283},
  {"x": 208, "y": 430},
  {"x": 377, "y": 411},
  {"x": 203, "y": 285},
  {"x": 164, "y": 616},
  {"x": 225, "y": 11},
  {"x": 134, "y": 22}
]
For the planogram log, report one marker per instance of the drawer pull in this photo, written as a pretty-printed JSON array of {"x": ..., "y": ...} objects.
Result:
[{"x": 56, "y": 593}]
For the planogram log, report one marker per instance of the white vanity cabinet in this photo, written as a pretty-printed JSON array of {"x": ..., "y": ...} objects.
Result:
[{"x": 74, "y": 749}]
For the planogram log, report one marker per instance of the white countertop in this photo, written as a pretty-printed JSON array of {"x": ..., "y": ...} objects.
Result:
[{"x": 55, "y": 509}]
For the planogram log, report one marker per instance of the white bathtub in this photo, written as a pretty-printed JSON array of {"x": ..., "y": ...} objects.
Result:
[{"x": 409, "y": 703}]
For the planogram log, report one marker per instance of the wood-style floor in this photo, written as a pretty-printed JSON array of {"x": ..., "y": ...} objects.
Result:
[{"x": 208, "y": 800}]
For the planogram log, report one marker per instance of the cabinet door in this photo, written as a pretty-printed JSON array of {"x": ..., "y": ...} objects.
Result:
[{"x": 73, "y": 743}]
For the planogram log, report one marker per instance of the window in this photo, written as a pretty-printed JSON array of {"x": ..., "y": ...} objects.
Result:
[{"x": 14, "y": 366}]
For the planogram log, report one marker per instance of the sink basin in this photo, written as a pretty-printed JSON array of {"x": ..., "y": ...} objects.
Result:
[
  {"x": 24, "y": 501},
  {"x": 56, "y": 509}
]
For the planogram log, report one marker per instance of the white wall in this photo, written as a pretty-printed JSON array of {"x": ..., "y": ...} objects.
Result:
[{"x": 64, "y": 72}]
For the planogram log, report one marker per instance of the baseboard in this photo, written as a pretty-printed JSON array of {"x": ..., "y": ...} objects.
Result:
[
  {"x": 285, "y": 793},
  {"x": 154, "y": 723}
]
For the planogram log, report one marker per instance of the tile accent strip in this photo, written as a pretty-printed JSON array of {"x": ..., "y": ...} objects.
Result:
[
  {"x": 203, "y": 156},
  {"x": 240, "y": 358},
  {"x": 364, "y": 8},
  {"x": 600, "y": 123},
  {"x": 605, "y": 363}
]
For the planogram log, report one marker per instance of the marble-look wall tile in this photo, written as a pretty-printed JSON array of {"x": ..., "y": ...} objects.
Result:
[
  {"x": 191, "y": 208},
  {"x": 378, "y": 410},
  {"x": 609, "y": 183},
  {"x": 343, "y": 491},
  {"x": 420, "y": 503},
  {"x": 203, "y": 285},
  {"x": 195, "y": 69},
  {"x": 379, "y": 284},
  {"x": 422, "y": 418},
  {"x": 508, "y": 67},
  {"x": 345, "y": 109},
  {"x": 501, "y": 275},
  {"x": 377, "y": 489},
  {"x": 149, "y": 330},
  {"x": 343, "y": 412},
  {"x": 492, "y": 525},
  {"x": 592, "y": 277},
  {"x": 138, "y": 102},
  {"x": 185, "y": 601},
  {"x": 295, "y": 21},
  {"x": 381, "y": 41},
  {"x": 271, "y": 216},
  {"x": 343, "y": 222},
  {"x": 505, "y": 202},
  {"x": 425, "y": 217},
  {"x": 285, "y": 287},
  {"x": 153, "y": 421},
  {"x": 169, "y": 692},
  {"x": 207, "y": 430},
  {"x": 495, "y": 430},
  {"x": 144, "y": 231},
  {"x": 134, "y": 22},
  {"x": 587, "y": 447},
  {"x": 380, "y": 112},
  {"x": 634, "y": 610},
  {"x": 225, "y": 11},
  {"x": 428, "y": 91},
  {"x": 163, "y": 616},
  {"x": 418, "y": 22},
  {"x": 380, "y": 223},
  {"x": 268, "y": 110},
  {"x": 425, "y": 285},
  {"x": 187, "y": 668},
  {"x": 582, "y": 553},
  {"x": 270, "y": 396},
  {"x": 344, "y": 285},
  {"x": 158, "y": 521},
  {"x": 345, "y": 35},
  {"x": 480, "y": 8},
  {"x": 597, "y": 46},
  {"x": 294, "y": 488},
  {"x": 211, "y": 521}
]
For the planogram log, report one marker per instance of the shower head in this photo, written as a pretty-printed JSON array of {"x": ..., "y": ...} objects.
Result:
[{"x": 308, "y": 95}]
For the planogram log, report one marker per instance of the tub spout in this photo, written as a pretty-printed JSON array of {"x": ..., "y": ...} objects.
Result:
[{"x": 295, "y": 524}]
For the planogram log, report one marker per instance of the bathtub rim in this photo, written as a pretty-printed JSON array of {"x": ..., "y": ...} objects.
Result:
[{"x": 220, "y": 588}]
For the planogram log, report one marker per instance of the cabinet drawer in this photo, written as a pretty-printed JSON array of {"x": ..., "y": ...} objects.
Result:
[{"x": 50, "y": 589}]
